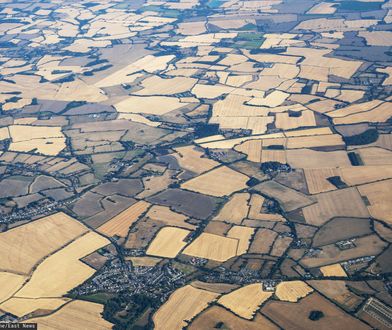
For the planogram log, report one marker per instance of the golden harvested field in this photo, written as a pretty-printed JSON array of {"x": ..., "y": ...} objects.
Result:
[
  {"x": 251, "y": 148},
  {"x": 354, "y": 109},
  {"x": 246, "y": 300},
  {"x": 345, "y": 203},
  {"x": 236, "y": 106},
  {"x": 21, "y": 307},
  {"x": 306, "y": 158},
  {"x": 182, "y": 306},
  {"x": 235, "y": 210},
  {"x": 170, "y": 218},
  {"x": 22, "y": 247},
  {"x": 75, "y": 315},
  {"x": 285, "y": 121},
  {"x": 316, "y": 179},
  {"x": 273, "y": 156},
  {"x": 191, "y": 158},
  {"x": 46, "y": 139},
  {"x": 377, "y": 38},
  {"x": 119, "y": 225},
  {"x": 168, "y": 242},
  {"x": 159, "y": 86},
  {"x": 20, "y": 133},
  {"x": 230, "y": 143},
  {"x": 314, "y": 141},
  {"x": 153, "y": 105},
  {"x": 63, "y": 271},
  {"x": 375, "y": 156},
  {"x": 365, "y": 174},
  {"x": 292, "y": 291},
  {"x": 149, "y": 63},
  {"x": 333, "y": 270},
  {"x": 211, "y": 91},
  {"x": 309, "y": 132},
  {"x": 218, "y": 182},
  {"x": 46, "y": 146},
  {"x": 215, "y": 314},
  {"x": 378, "y": 114},
  {"x": 4, "y": 133},
  {"x": 243, "y": 234},
  {"x": 214, "y": 247},
  {"x": 9, "y": 284},
  {"x": 258, "y": 125},
  {"x": 379, "y": 197},
  {"x": 322, "y": 8},
  {"x": 271, "y": 100}
]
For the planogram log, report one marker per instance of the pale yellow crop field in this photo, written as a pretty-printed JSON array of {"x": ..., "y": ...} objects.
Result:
[
  {"x": 354, "y": 109},
  {"x": 217, "y": 182},
  {"x": 243, "y": 234},
  {"x": 252, "y": 148},
  {"x": 75, "y": 315},
  {"x": 47, "y": 140},
  {"x": 258, "y": 125},
  {"x": 316, "y": 179},
  {"x": 375, "y": 156},
  {"x": 192, "y": 159},
  {"x": 45, "y": 146},
  {"x": 22, "y": 247},
  {"x": 379, "y": 114},
  {"x": 309, "y": 132},
  {"x": 169, "y": 217},
  {"x": 343, "y": 202},
  {"x": 211, "y": 91},
  {"x": 4, "y": 133},
  {"x": 234, "y": 105},
  {"x": 292, "y": 291},
  {"x": 9, "y": 284},
  {"x": 63, "y": 271},
  {"x": 314, "y": 141},
  {"x": 246, "y": 300},
  {"x": 149, "y": 63},
  {"x": 306, "y": 158},
  {"x": 271, "y": 100},
  {"x": 377, "y": 38},
  {"x": 159, "y": 86},
  {"x": 322, "y": 8},
  {"x": 214, "y": 247},
  {"x": 333, "y": 270},
  {"x": 21, "y": 307},
  {"x": 379, "y": 196},
  {"x": 153, "y": 105},
  {"x": 119, "y": 225},
  {"x": 235, "y": 210},
  {"x": 168, "y": 242},
  {"x": 274, "y": 156},
  {"x": 182, "y": 306},
  {"x": 284, "y": 121},
  {"x": 356, "y": 175}
]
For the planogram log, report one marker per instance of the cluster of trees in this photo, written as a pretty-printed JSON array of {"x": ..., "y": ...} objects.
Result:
[
  {"x": 124, "y": 309},
  {"x": 369, "y": 136}
]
